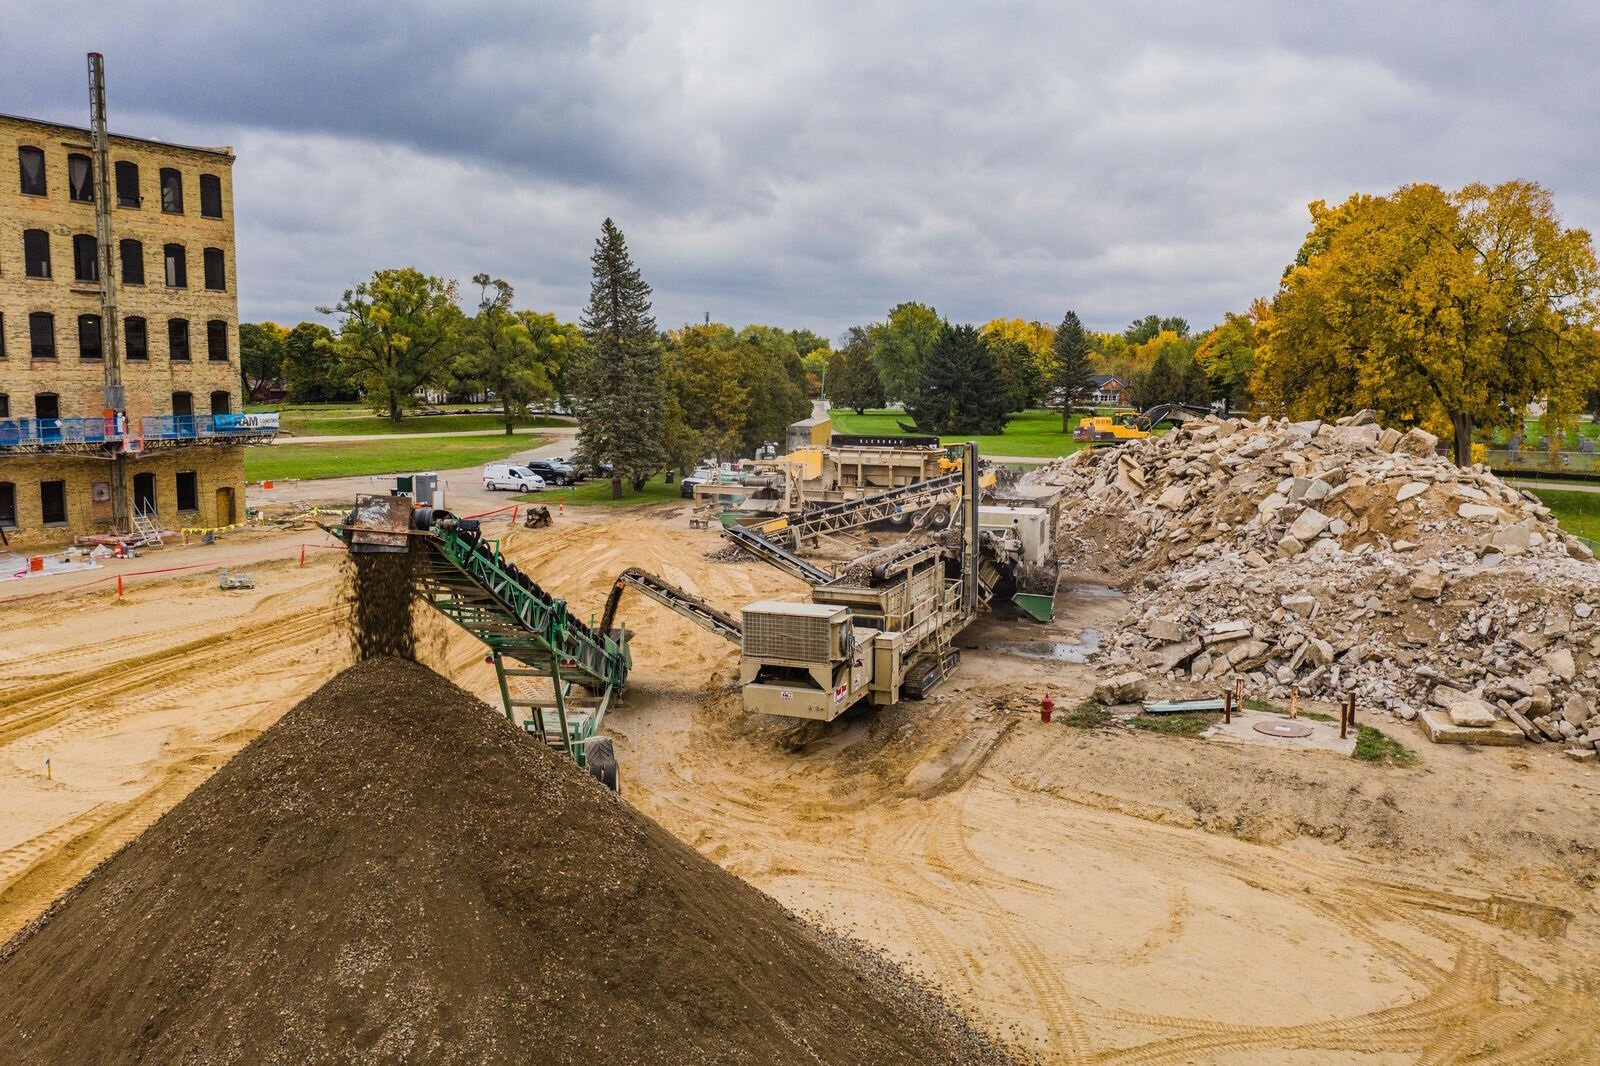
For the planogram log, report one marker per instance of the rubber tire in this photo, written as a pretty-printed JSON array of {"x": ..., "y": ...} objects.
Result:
[
  {"x": 600, "y": 758},
  {"x": 939, "y": 519},
  {"x": 488, "y": 486},
  {"x": 522, "y": 487}
]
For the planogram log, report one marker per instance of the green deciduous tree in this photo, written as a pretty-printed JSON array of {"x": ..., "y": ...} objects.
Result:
[
  {"x": 513, "y": 354},
  {"x": 1450, "y": 310},
  {"x": 955, "y": 391},
  {"x": 1227, "y": 354},
  {"x": 1143, "y": 330},
  {"x": 701, "y": 367},
  {"x": 312, "y": 370},
  {"x": 900, "y": 344},
  {"x": 773, "y": 377},
  {"x": 260, "y": 356},
  {"x": 1072, "y": 370},
  {"x": 398, "y": 333},
  {"x": 616, "y": 382},
  {"x": 852, "y": 378}
]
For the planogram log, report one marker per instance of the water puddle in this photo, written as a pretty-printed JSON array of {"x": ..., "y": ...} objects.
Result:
[{"x": 1054, "y": 651}]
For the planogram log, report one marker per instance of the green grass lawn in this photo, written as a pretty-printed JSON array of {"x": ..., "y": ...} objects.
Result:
[
  {"x": 349, "y": 420},
  {"x": 1533, "y": 432},
  {"x": 282, "y": 462},
  {"x": 596, "y": 492},
  {"x": 1029, "y": 433},
  {"x": 1578, "y": 512}
]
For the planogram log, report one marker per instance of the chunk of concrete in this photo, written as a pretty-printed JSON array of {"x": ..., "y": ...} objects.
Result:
[
  {"x": 1410, "y": 489},
  {"x": 1308, "y": 526},
  {"x": 1129, "y": 687},
  {"x": 1427, "y": 583},
  {"x": 1440, "y": 730}
]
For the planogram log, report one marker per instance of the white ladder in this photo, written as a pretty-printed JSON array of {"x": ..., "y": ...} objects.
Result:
[{"x": 145, "y": 526}]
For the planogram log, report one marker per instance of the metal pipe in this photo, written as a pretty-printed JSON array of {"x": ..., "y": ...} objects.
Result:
[{"x": 115, "y": 398}]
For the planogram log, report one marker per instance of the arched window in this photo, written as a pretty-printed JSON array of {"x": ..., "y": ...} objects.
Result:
[
  {"x": 135, "y": 338},
  {"x": 80, "y": 178},
  {"x": 210, "y": 196},
  {"x": 216, "y": 276},
  {"x": 85, "y": 257},
  {"x": 221, "y": 403},
  {"x": 217, "y": 340},
  {"x": 178, "y": 340},
  {"x": 36, "y": 253},
  {"x": 127, "y": 183},
  {"x": 177, "y": 266},
  {"x": 31, "y": 162},
  {"x": 132, "y": 261},
  {"x": 42, "y": 334},
  {"x": 171, "y": 191},
  {"x": 89, "y": 346}
]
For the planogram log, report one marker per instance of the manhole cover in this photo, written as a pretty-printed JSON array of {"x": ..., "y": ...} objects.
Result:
[{"x": 1283, "y": 729}]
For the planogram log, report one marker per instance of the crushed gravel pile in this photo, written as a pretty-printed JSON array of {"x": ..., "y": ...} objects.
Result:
[
  {"x": 393, "y": 873},
  {"x": 1334, "y": 559}
]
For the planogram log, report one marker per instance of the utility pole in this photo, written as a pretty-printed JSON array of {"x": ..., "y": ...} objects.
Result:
[{"x": 110, "y": 333}]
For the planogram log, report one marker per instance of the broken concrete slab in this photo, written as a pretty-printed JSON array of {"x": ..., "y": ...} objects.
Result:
[{"x": 1440, "y": 730}]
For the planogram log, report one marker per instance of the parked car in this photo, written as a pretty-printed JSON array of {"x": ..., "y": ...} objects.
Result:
[
  {"x": 510, "y": 477},
  {"x": 554, "y": 471},
  {"x": 686, "y": 486}
]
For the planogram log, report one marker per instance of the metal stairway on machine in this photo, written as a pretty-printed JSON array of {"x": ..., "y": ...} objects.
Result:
[{"x": 529, "y": 634}]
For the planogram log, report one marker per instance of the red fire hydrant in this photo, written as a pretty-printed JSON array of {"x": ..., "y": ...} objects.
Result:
[{"x": 1046, "y": 705}]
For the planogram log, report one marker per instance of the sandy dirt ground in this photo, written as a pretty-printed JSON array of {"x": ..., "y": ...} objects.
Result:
[{"x": 1090, "y": 896}]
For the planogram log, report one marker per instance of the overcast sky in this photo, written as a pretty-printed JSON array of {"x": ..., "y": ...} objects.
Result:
[{"x": 814, "y": 164}]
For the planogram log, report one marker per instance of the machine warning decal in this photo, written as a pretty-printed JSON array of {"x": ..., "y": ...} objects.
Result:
[{"x": 839, "y": 693}]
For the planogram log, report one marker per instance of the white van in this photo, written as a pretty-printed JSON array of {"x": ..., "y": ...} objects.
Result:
[{"x": 515, "y": 478}]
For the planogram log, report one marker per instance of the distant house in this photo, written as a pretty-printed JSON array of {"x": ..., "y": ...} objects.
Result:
[{"x": 1108, "y": 389}]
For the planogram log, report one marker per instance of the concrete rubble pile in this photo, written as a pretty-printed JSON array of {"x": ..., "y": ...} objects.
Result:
[{"x": 1336, "y": 559}]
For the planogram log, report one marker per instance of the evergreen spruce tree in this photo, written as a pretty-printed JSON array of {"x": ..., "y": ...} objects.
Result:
[
  {"x": 1070, "y": 378},
  {"x": 957, "y": 389},
  {"x": 617, "y": 385}
]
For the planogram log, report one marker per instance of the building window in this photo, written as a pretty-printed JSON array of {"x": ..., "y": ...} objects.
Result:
[
  {"x": 53, "y": 502},
  {"x": 132, "y": 262},
  {"x": 177, "y": 266},
  {"x": 8, "y": 505},
  {"x": 80, "y": 179},
  {"x": 183, "y": 404},
  {"x": 221, "y": 403},
  {"x": 217, "y": 341},
  {"x": 127, "y": 183},
  {"x": 42, "y": 334},
  {"x": 46, "y": 406},
  {"x": 178, "y": 339},
  {"x": 5, "y": 405},
  {"x": 216, "y": 277},
  {"x": 188, "y": 491},
  {"x": 210, "y": 196},
  {"x": 144, "y": 493},
  {"x": 31, "y": 162},
  {"x": 85, "y": 257},
  {"x": 36, "y": 253},
  {"x": 135, "y": 338},
  {"x": 89, "y": 337},
  {"x": 2, "y": 352},
  {"x": 171, "y": 191}
]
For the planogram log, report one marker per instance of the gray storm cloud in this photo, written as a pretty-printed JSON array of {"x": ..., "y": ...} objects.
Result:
[{"x": 813, "y": 165}]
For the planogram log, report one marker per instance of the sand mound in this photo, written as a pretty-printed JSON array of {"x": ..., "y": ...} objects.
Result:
[{"x": 393, "y": 873}]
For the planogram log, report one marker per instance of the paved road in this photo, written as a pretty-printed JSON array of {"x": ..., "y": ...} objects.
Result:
[{"x": 1558, "y": 486}]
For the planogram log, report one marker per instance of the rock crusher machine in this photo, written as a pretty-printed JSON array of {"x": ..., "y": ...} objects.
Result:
[{"x": 528, "y": 631}]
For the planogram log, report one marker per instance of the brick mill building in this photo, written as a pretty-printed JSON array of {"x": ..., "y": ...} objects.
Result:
[{"x": 177, "y": 434}]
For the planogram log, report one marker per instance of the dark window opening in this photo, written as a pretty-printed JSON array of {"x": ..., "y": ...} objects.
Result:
[
  {"x": 53, "y": 502},
  {"x": 8, "y": 505},
  {"x": 36, "y": 253},
  {"x": 42, "y": 334},
  {"x": 216, "y": 277},
  {"x": 188, "y": 491},
  {"x": 178, "y": 339},
  {"x": 221, "y": 403},
  {"x": 2, "y": 352},
  {"x": 46, "y": 406},
  {"x": 132, "y": 262},
  {"x": 85, "y": 257},
  {"x": 210, "y": 196},
  {"x": 80, "y": 179},
  {"x": 31, "y": 162},
  {"x": 183, "y": 404},
  {"x": 171, "y": 191},
  {"x": 144, "y": 493},
  {"x": 89, "y": 337},
  {"x": 5, "y": 405},
  {"x": 177, "y": 266},
  {"x": 217, "y": 340},
  {"x": 127, "y": 183},
  {"x": 135, "y": 338}
]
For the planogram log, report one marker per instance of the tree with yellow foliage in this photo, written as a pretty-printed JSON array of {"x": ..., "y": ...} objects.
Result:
[{"x": 1449, "y": 310}]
